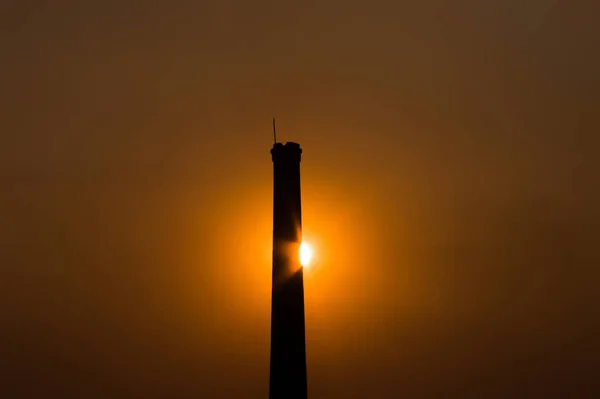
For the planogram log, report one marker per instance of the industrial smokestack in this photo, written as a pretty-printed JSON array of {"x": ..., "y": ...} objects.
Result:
[{"x": 288, "y": 346}]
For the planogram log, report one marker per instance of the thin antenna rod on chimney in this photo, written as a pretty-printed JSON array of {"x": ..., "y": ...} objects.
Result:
[{"x": 274, "y": 132}]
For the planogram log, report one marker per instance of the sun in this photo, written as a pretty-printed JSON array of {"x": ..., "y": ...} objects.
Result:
[{"x": 306, "y": 254}]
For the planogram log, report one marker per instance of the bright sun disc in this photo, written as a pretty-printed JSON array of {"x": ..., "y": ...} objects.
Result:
[{"x": 305, "y": 254}]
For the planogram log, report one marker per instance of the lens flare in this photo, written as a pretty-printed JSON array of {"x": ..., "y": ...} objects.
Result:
[{"x": 306, "y": 254}]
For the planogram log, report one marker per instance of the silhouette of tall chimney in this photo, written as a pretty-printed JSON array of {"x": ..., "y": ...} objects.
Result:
[{"x": 288, "y": 345}]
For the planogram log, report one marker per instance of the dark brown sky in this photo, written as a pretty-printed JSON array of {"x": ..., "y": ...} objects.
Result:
[{"x": 450, "y": 187}]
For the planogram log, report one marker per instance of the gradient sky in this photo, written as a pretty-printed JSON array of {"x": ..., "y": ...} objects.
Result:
[{"x": 450, "y": 188}]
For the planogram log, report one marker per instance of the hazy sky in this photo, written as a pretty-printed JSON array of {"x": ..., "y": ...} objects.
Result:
[{"x": 450, "y": 188}]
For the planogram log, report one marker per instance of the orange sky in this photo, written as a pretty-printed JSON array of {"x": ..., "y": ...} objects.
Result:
[{"x": 448, "y": 180}]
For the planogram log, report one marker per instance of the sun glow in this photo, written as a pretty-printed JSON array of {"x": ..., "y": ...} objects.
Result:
[{"x": 306, "y": 254}]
